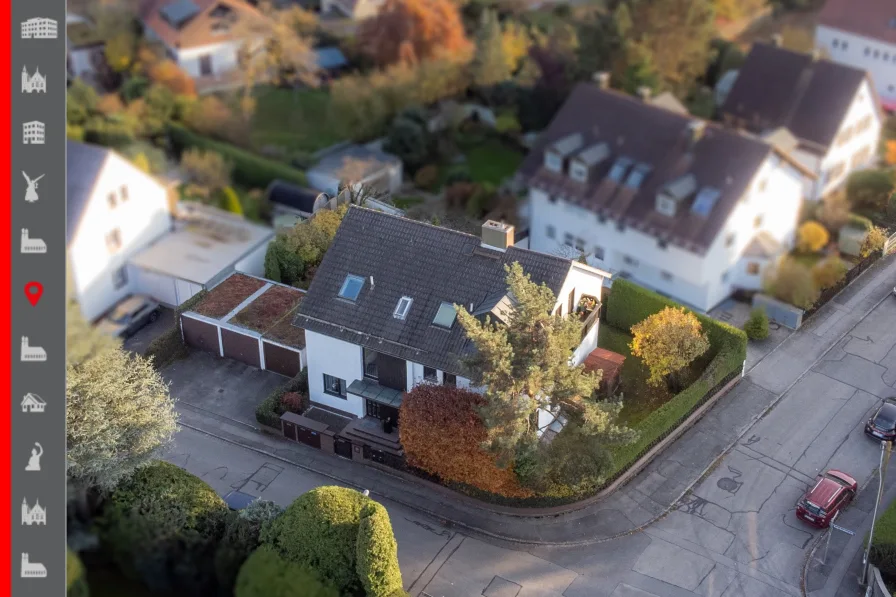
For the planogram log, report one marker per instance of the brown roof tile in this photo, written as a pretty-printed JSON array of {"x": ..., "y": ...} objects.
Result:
[
  {"x": 871, "y": 18},
  {"x": 197, "y": 30}
]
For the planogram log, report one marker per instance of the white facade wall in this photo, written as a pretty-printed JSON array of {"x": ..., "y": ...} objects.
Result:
[
  {"x": 876, "y": 57},
  {"x": 223, "y": 58},
  {"x": 698, "y": 281},
  {"x": 83, "y": 62},
  {"x": 340, "y": 359},
  {"x": 253, "y": 263},
  {"x": 140, "y": 220},
  {"x": 581, "y": 281}
]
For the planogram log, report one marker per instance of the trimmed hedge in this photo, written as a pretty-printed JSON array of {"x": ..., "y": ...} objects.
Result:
[
  {"x": 269, "y": 410},
  {"x": 629, "y": 304},
  {"x": 169, "y": 346},
  {"x": 883, "y": 549},
  {"x": 324, "y": 530},
  {"x": 266, "y": 574},
  {"x": 75, "y": 581},
  {"x": 250, "y": 170},
  {"x": 240, "y": 538}
]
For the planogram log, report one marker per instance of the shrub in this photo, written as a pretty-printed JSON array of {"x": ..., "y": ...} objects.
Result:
[
  {"x": 266, "y": 574},
  {"x": 870, "y": 188},
  {"x": 75, "y": 581},
  {"x": 458, "y": 194},
  {"x": 792, "y": 283},
  {"x": 206, "y": 169},
  {"x": 324, "y": 530},
  {"x": 859, "y": 222},
  {"x": 134, "y": 88},
  {"x": 827, "y": 272},
  {"x": 230, "y": 201},
  {"x": 834, "y": 212},
  {"x": 756, "y": 327},
  {"x": 427, "y": 177},
  {"x": 507, "y": 123},
  {"x": 442, "y": 434},
  {"x": 668, "y": 342},
  {"x": 891, "y": 206},
  {"x": 293, "y": 402},
  {"x": 168, "y": 74},
  {"x": 874, "y": 241},
  {"x": 160, "y": 527},
  {"x": 210, "y": 116},
  {"x": 812, "y": 237},
  {"x": 241, "y": 537},
  {"x": 458, "y": 174},
  {"x": 249, "y": 170},
  {"x": 169, "y": 346},
  {"x": 269, "y": 410},
  {"x": 408, "y": 139},
  {"x": 110, "y": 104}
]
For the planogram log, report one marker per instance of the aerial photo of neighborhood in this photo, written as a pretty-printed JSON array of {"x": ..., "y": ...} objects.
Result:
[{"x": 460, "y": 298}]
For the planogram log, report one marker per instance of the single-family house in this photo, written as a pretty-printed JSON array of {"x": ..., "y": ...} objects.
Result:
[
  {"x": 830, "y": 109},
  {"x": 862, "y": 34},
  {"x": 204, "y": 37},
  {"x": 85, "y": 49},
  {"x": 380, "y": 318},
  {"x": 291, "y": 203},
  {"x": 663, "y": 198},
  {"x": 357, "y": 10},
  {"x": 359, "y": 164},
  {"x": 113, "y": 211}
]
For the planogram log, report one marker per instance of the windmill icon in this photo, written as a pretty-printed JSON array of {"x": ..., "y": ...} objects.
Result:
[{"x": 31, "y": 193}]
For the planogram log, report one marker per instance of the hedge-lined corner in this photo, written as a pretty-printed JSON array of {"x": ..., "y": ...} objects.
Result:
[
  {"x": 377, "y": 563},
  {"x": 169, "y": 346},
  {"x": 883, "y": 548},
  {"x": 250, "y": 170},
  {"x": 269, "y": 410},
  {"x": 629, "y": 304},
  {"x": 266, "y": 574}
]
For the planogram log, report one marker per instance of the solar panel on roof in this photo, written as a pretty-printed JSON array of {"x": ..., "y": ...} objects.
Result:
[
  {"x": 179, "y": 11},
  {"x": 705, "y": 201}
]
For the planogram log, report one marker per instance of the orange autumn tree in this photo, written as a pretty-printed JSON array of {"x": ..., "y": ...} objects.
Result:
[
  {"x": 442, "y": 435},
  {"x": 413, "y": 30}
]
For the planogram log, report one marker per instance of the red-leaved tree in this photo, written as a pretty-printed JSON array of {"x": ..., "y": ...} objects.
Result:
[{"x": 442, "y": 435}]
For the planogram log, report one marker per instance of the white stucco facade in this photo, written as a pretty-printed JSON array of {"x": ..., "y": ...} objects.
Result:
[
  {"x": 876, "y": 57},
  {"x": 127, "y": 211},
  {"x": 219, "y": 58},
  {"x": 771, "y": 204}
]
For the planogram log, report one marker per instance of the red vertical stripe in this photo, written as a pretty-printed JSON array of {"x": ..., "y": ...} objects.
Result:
[{"x": 5, "y": 296}]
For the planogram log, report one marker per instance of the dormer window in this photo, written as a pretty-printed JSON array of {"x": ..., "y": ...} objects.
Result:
[
  {"x": 445, "y": 316},
  {"x": 351, "y": 287},
  {"x": 553, "y": 162},
  {"x": 675, "y": 193},
  {"x": 556, "y": 154},
  {"x": 584, "y": 164},
  {"x": 402, "y": 308},
  {"x": 578, "y": 172}
]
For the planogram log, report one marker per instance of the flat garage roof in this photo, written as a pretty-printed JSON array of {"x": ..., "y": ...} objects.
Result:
[{"x": 205, "y": 242}]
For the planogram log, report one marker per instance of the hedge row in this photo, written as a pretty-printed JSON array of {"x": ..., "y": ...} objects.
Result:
[
  {"x": 169, "y": 346},
  {"x": 266, "y": 574},
  {"x": 629, "y": 304},
  {"x": 269, "y": 410},
  {"x": 883, "y": 549},
  {"x": 250, "y": 170}
]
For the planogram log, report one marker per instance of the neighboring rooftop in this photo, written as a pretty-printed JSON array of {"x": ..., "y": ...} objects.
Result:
[
  {"x": 190, "y": 23},
  {"x": 301, "y": 199},
  {"x": 653, "y": 150},
  {"x": 205, "y": 242},
  {"x": 380, "y": 259},
  {"x": 875, "y": 19},
  {"x": 362, "y": 160},
  {"x": 809, "y": 96}
]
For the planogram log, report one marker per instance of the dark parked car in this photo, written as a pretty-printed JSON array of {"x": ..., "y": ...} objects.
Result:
[
  {"x": 832, "y": 492},
  {"x": 882, "y": 425},
  {"x": 237, "y": 500},
  {"x": 130, "y": 315}
]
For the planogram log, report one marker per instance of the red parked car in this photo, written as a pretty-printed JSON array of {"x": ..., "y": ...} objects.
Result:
[{"x": 832, "y": 492}]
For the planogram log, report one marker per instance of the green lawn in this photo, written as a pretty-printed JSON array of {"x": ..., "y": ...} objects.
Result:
[
  {"x": 296, "y": 121},
  {"x": 488, "y": 159}
]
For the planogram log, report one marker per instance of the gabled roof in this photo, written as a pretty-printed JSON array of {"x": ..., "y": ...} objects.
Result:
[
  {"x": 670, "y": 144},
  {"x": 185, "y": 24},
  {"x": 777, "y": 87},
  {"x": 83, "y": 164},
  {"x": 429, "y": 264},
  {"x": 870, "y": 18}
]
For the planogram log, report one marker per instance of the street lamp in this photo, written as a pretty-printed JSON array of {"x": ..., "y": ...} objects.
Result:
[{"x": 885, "y": 450}]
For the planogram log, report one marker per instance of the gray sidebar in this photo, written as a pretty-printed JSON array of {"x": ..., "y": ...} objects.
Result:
[{"x": 38, "y": 276}]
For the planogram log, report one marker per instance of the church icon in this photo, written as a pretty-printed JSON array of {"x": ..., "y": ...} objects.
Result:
[
  {"x": 33, "y": 514},
  {"x": 32, "y": 354},
  {"x": 36, "y": 83},
  {"x": 32, "y": 245},
  {"x": 32, "y": 569}
]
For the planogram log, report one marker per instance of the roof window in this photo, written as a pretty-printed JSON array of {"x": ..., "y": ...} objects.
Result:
[
  {"x": 637, "y": 175},
  {"x": 402, "y": 308},
  {"x": 445, "y": 316},
  {"x": 351, "y": 288},
  {"x": 705, "y": 201},
  {"x": 619, "y": 170}
]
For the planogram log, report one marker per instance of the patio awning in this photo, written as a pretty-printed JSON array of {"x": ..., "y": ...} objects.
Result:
[{"x": 370, "y": 390}]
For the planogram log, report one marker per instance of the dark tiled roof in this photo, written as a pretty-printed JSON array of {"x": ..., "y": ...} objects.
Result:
[
  {"x": 723, "y": 159},
  {"x": 290, "y": 195},
  {"x": 409, "y": 258},
  {"x": 870, "y": 18},
  {"x": 777, "y": 87}
]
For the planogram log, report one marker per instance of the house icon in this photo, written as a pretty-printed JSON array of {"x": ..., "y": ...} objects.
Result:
[{"x": 32, "y": 403}]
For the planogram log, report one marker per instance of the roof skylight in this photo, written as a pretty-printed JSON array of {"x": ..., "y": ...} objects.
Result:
[
  {"x": 402, "y": 308},
  {"x": 619, "y": 170},
  {"x": 637, "y": 175},
  {"x": 351, "y": 288},
  {"x": 445, "y": 316},
  {"x": 705, "y": 201}
]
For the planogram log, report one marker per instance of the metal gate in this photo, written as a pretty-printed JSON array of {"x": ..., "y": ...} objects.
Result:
[{"x": 343, "y": 448}]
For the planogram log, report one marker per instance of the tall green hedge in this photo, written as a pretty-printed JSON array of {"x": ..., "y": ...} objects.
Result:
[
  {"x": 630, "y": 304},
  {"x": 250, "y": 170},
  {"x": 883, "y": 549},
  {"x": 269, "y": 410},
  {"x": 266, "y": 574},
  {"x": 324, "y": 530}
]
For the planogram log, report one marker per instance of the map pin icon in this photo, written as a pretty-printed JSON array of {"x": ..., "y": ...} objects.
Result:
[{"x": 33, "y": 292}]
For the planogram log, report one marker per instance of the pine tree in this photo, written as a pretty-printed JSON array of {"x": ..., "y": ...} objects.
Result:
[{"x": 490, "y": 64}]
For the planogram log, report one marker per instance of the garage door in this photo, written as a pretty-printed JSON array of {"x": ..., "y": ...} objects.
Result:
[
  {"x": 282, "y": 360},
  {"x": 185, "y": 290},
  {"x": 200, "y": 334},
  {"x": 240, "y": 347}
]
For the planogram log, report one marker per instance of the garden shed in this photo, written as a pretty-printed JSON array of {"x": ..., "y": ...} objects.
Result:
[{"x": 249, "y": 319}]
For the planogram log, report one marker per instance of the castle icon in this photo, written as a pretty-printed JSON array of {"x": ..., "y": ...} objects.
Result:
[
  {"x": 32, "y": 354},
  {"x": 32, "y": 245},
  {"x": 32, "y": 569},
  {"x": 33, "y": 515},
  {"x": 36, "y": 83}
]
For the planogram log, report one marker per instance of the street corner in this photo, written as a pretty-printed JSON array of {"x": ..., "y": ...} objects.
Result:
[{"x": 741, "y": 483}]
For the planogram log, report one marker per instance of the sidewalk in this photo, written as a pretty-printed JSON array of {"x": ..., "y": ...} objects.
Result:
[{"x": 650, "y": 495}]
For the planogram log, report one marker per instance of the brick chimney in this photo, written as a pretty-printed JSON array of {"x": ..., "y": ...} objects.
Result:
[{"x": 497, "y": 235}]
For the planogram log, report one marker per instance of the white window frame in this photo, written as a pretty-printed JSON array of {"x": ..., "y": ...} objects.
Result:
[{"x": 402, "y": 308}]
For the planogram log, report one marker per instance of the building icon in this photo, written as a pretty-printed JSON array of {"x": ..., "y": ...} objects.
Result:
[
  {"x": 32, "y": 403},
  {"x": 32, "y": 245},
  {"x": 33, "y": 133},
  {"x": 36, "y": 83},
  {"x": 32, "y": 354},
  {"x": 39, "y": 28},
  {"x": 32, "y": 569},
  {"x": 35, "y": 515}
]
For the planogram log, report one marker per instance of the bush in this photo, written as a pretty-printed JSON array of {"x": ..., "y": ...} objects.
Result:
[
  {"x": 134, "y": 88},
  {"x": 442, "y": 434},
  {"x": 668, "y": 342},
  {"x": 458, "y": 194},
  {"x": 891, "y": 206},
  {"x": 206, "y": 169},
  {"x": 870, "y": 188},
  {"x": 322, "y": 529},
  {"x": 834, "y": 212},
  {"x": 792, "y": 283},
  {"x": 230, "y": 201},
  {"x": 169, "y": 346},
  {"x": 507, "y": 124},
  {"x": 266, "y": 574},
  {"x": 408, "y": 139},
  {"x": 859, "y": 222},
  {"x": 75, "y": 581},
  {"x": 812, "y": 237},
  {"x": 249, "y": 170},
  {"x": 874, "y": 241},
  {"x": 241, "y": 537},
  {"x": 161, "y": 526},
  {"x": 269, "y": 410},
  {"x": 827, "y": 272},
  {"x": 756, "y": 327},
  {"x": 427, "y": 177}
]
